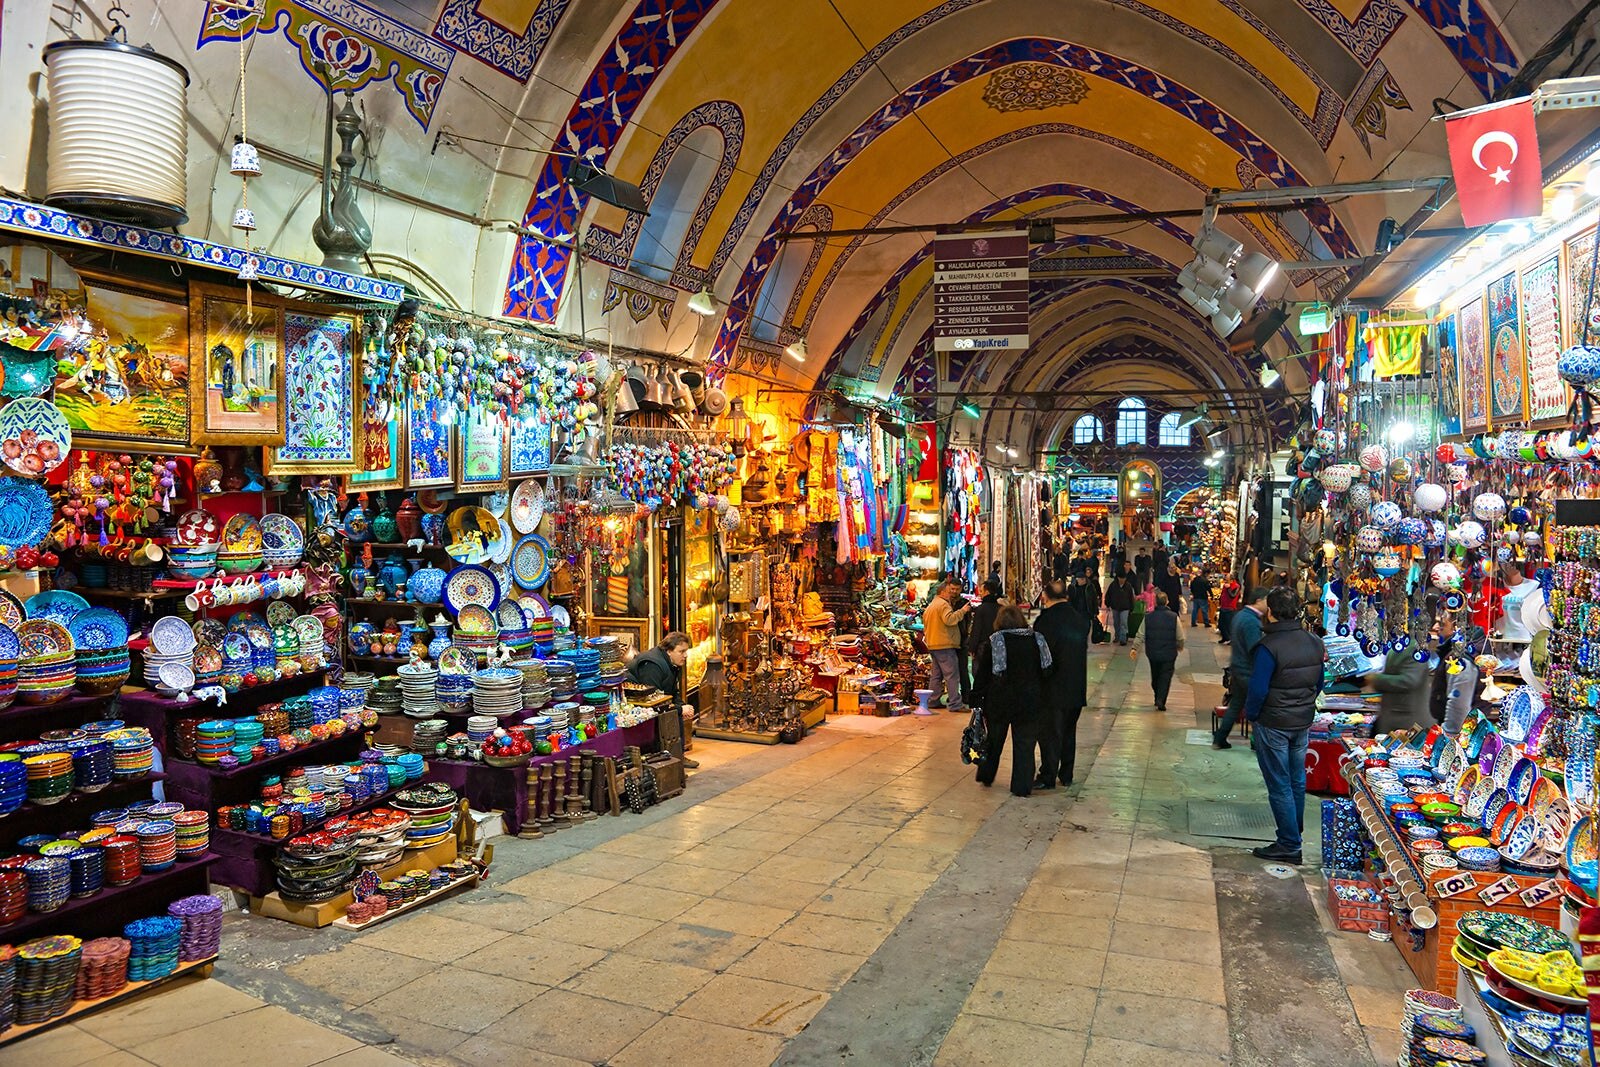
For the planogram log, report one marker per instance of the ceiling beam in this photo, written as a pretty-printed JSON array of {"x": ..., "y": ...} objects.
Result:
[{"x": 1103, "y": 217}]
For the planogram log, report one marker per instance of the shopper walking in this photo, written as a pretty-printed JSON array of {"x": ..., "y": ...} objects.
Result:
[
  {"x": 1284, "y": 682},
  {"x": 1119, "y": 601},
  {"x": 1246, "y": 634},
  {"x": 1011, "y": 670},
  {"x": 1064, "y": 625},
  {"x": 1159, "y": 559},
  {"x": 1141, "y": 568},
  {"x": 1229, "y": 601},
  {"x": 1170, "y": 582},
  {"x": 1404, "y": 685},
  {"x": 1455, "y": 680},
  {"x": 941, "y": 632},
  {"x": 983, "y": 617},
  {"x": 1161, "y": 642},
  {"x": 1199, "y": 599}
]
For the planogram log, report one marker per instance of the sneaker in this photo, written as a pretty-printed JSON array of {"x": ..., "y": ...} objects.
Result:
[
  {"x": 691, "y": 764},
  {"x": 1277, "y": 855},
  {"x": 1220, "y": 745},
  {"x": 960, "y": 709}
]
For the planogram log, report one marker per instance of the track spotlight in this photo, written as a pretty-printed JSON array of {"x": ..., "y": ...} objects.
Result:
[
  {"x": 968, "y": 408},
  {"x": 1188, "y": 419},
  {"x": 703, "y": 303},
  {"x": 797, "y": 351},
  {"x": 1269, "y": 376}
]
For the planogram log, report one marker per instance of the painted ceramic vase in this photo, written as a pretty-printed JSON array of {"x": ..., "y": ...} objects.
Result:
[
  {"x": 1579, "y": 365},
  {"x": 384, "y": 529},
  {"x": 408, "y": 520}
]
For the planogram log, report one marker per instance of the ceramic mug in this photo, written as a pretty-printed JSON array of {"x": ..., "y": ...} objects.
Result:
[
  {"x": 221, "y": 593},
  {"x": 272, "y": 588},
  {"x": 252, "y": 591},
  {"x": 294, "y": 584},
  {"x": 200, "y": 598}
]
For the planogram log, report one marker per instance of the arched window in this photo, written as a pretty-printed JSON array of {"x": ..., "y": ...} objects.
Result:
[
  {"x": 1130, "y": 422},
  {"x": 1170, "y": 435},
  {"x": 783, "y": 277},
  {"x": 1086, "y": 431},
  {"x": 677, "y": 197}
]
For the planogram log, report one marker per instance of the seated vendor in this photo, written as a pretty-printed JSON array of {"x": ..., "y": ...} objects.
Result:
[{"x": 659, "y": 668}]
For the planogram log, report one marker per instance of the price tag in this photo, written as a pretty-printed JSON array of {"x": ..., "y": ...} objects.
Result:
[
  {"x": 1455, "y": 885},
  {"x": 1533, "y": 896},
  {"x": 1498, "y": 892}
]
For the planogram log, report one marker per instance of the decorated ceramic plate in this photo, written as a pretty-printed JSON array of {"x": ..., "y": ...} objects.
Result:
[
  {"x": 1552, "y": 813},
  {"x": 207, "y": 658},
  {"x": 559, "y": 614},
  {"x": 62, "y": 605},
  {"x": 1465, "y": 784},
  {"x": 171, "y": 636},
  {"x": 502, "y": 578},
  {"x": 10, "y": 647},
  {"x": 44, "y": 637},
  {"x": 1487, "y": 753},
  {"x": 473, "y": 534},
  {"x": 242, "y": 533},
  {"x": 98, "y": 628},
  {"x": 34, "y": 436},
  {"x": 11, "y": 613},
  {"x": 1536, "y": 732},
  {"x": 1581, "y": 851},
  {"x": 25, "y": 512},
  {"x": 209, "y": 631},
  {"x": 500, "y": 548},
  {"x": 530, "y": 562},
  {"x": 1517, "y": 711},
  {"x": 1480, "y": 733},
  {"x": 309, "y": 629},
  {"x": 280, "y": 613},
  {"x": 476, "y": 619},
  {"x": 527, "y": 506},
  {"x": 455, "y": 660},
  {"x": 1524, "y": 772},
  {"x": 509, "y": 615},
  {"x": 259, "y": 633},
  {"x": 534, "y": 607},
  {"x": 497, "y": 503},
  {"x": 236, "y": 648},
  {"x": 281, "y": 534},
  {"x": 470, "y": 584},
  {"x": 198, "y": 527}
]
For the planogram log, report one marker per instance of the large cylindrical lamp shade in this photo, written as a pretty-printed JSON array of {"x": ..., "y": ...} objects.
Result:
[{"x": 119, "y": 132}]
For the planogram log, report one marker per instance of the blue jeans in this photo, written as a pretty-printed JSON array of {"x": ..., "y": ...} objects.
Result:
[
  {"x": 1119, "y": 626},
  {"x": 1199, "y": 608},
  {"x": 1281, "y": 755},
  {"x": 946, "y": 675}
]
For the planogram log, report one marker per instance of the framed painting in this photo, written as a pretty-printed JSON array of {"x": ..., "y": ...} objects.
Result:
[
  {"x": 383, "y": 460},
  {"x": 430, "y": 442},
  {"x": 235, "y": 367},
  {"x": 633, "y": 633},
  {"x": 1508, "y": 367},
  {"x": 530, "y": 443},
  {"x": 482, "y": 447},
  {"x": 1580, "y": 271},
  {"x": 322, "y": 432},
  {"x": 123, "y": 382},
  {"x": 1472, "y": 362},
  {"x": 1541, "y": 339},
  {"x": 1449, "y": 380}
]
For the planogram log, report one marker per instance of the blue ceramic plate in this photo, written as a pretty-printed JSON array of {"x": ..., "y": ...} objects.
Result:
[
  {"x": 98, "y": 628},
  {"x": 62, "y": 605},
  {"x": 530, "y": 561},
  {"x": 25, "y": 513},
  {"x": 470, "y": 584}
]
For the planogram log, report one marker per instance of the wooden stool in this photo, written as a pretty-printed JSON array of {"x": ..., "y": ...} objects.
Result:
[{"x": 1216, "y": 721}]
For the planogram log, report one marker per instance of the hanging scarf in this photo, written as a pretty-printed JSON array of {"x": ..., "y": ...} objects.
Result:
[{"x": 997, "y": 647}]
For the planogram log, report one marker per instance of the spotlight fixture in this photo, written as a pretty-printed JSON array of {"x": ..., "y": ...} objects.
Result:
[
  {"x": 1211, "y": 461},
  {"x": 588, "y": 178},
  {"x": 1210, "y": 284},
  {"x": 1190, "y": 418},
  {"x": 797, "y": 351},
  {"x": 1219, "y": 454},
  {"x": 703, "y": 303},
  {"x": 1564, "y": 202},
  {"x": 1269, "y": 376},
  {"x": 968, "y": 408}
]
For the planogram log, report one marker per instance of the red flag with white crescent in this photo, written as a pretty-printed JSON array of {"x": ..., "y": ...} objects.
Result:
[{"x": 1494, "y": 158}]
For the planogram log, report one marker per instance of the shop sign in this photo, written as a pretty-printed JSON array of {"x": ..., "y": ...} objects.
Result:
[
  {"x": 980, "y": 292},
  {"x": 1092, "y": 489}
]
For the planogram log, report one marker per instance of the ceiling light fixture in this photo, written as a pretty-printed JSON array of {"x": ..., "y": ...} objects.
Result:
[
  {"x": 1564, "y": 202},
  {"x": 1190, "y": 418},
  {"x": 968, "y": 408},
  {"x": 1591, "y": 181},
  {"x": 703, "y": 303},
  {"x": 588, "y": 178},
  {"x": 1270, "y": 376},
  {"x": 797, "y": 351}
]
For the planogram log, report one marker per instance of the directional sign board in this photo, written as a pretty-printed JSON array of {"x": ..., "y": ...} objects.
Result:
[{"x": 980, "y": 291}]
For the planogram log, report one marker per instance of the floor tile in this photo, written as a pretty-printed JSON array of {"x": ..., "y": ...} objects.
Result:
[
  {"x": 644, "y": 902},
  {"x": 1110, "y": 1052},
  {"x": 487, "y": 1050},
  {"x": 605, "y": 865},
  {"x": 813, "y": 968},
  {"x": 511, "y": 912},
  {"x": 532, "y": 958},
  {"x": 354, "y": 974},
  {"x": 1027, "y": 959},
  {"x": 760, "y": 888},
  {"x": 861, "y": 904},
  {"x": 365, "y": 1056},
  {"x": 63, "y": 1045},
  {"x": 583, "y": 1028},
  {"x": 596, "y": 929},
  {"x": 833, "y": 932},
  {"x": 1166, "y": 1022},
  {"x": 754, "y": 1004},
  {"x": 1083, "y": 902},
  {"x": 686, "y": 878},
  {"x": 1165, "y": 943},
  {"x": 1078, "y": 931},
  {"x": 430, "y": 937},
  {"x": 265, "y": 1037},
  {"x": 676, "y": 1040},
  {"x": 458, "y": 999},
  {"x": 556, "y": 885},
  {"x": 1033, "y": 1000},
  {"x": 696, "y": 946},
  {"x": 182, "y": 1005},
  {"x": 638, "y": 981},
  {"x": 1189, "y": 981},
  {"x": 821, "y": 870},
  {"x": 740, "y": 917},
  {"x": 1156, "y": 911},
  {"x": 979, "y": 1041}
]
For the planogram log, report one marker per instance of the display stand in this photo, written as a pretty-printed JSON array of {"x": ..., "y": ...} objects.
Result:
[
  {"x": 1490, "y": 1038},
  {"x": 273, "y": 906},
  {"x": 433, "y": 894},
  {"x": 80, "y": 1008}
]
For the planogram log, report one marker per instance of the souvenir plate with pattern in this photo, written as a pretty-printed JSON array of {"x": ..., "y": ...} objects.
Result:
[{"x": 470, "y": 584}]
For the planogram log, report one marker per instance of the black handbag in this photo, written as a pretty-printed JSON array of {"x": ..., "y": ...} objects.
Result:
[{"x": 974, "y": 738}]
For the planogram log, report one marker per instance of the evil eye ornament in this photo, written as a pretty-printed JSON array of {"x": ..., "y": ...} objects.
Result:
[
  {"x": 1386, "y": 514},
  {"x": 1489, "y": 507},
  {"x": 1454, "y": 600}
]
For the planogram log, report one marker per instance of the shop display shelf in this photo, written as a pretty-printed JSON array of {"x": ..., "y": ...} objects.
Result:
[
  {"x": 426, "y": 898},
  {"x": 81, "y": 1008},
  {"x": 248, "y": 862},
  {"x": 311, "y": 753},
  {"x": 109, "y": 910},
  {"x": 255, "y": 695},
  {"x": 132, "y": 594},
  {"x": 269, "y": 904},
  {"x": 277, "y": 842},
  {"x": 187, "y": 584},
  {"x": 74, "y": 809},
  {"x": 396, "y": 660}
]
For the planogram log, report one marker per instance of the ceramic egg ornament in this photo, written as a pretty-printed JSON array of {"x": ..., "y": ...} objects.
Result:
[
  {"x": 1489, "y": 507},
  {"x": 1469, "y": 535},
  {"x": 1445, "y": 575},
  {"x": 1386, "y": 514},
  {"x": 1430, "y": 497},
  {"x": 1374, "y": 458}
]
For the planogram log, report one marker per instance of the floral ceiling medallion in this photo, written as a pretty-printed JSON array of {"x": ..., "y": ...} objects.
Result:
[{"x": 1034, "y": 87}]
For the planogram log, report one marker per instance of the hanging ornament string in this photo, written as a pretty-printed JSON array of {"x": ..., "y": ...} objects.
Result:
[
  {"x": 244, "y": 182},
  {"x": 1582, "y": 402}
]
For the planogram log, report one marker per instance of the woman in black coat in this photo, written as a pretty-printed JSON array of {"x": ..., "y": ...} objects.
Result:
[
  {"x": 1064, "y": 624},
  {"x": 1012, "y": 667}
]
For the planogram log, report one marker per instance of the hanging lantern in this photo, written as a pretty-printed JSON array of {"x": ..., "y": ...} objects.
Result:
[
  {"x": 1386, "y": 514},
  {"x": 1410, "y": 531},
  {"x": 1446, "y": 575},
  {"x": 1336, "y": 477},
  {"x": 1387, "y": 564},
  {"x": 1469, "y": 535},
  {"x": 1430, "y": 497},
  {"x": 1400, "y": 470},
  {"x": 1370, "y": 539},
  {"x": 1360, "y": 496},
  {"x": 1489, "y": 507},
  {"x": 1374, "y": 458},
  {"x": 1579, "y": 366}
]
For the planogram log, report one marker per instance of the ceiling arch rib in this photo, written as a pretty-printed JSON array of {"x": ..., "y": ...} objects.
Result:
[{"x": 1170, "y": 94}]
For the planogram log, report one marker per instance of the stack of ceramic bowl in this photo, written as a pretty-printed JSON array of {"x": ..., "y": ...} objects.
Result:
[
  {"x": 497, "y": 691},
  {"x": 47, "y": 678},
  {"x": 13, "y": 782},
  {"x": 47, "y": 973},
  {"x": 353, "y": 690},
  {"x": 385, "y": 697},
  {"x": 611, "y": 655},
  {"x": 454, "y": 690},
  {"x": 535, "y": 685},
  {"x": 102, "y": 672},
  {"x": 432, "y": 808},
  {"x": 191, "y": 561},
  {"x": 213, "y": 739},
  {"x": 562, "y": 715},
  {"x": 49, "y": 774},
  {"x": 172, "y": 643},
  {"x": 544, "y": 634},
  {"x": 427, "y": 735},
  {"x": 132, "y": 751},
  {"x": 194, "y": 833},
  {"x": 419, "y": 692},
  {"x": 317, "y": 867},
  {"x": 91, "y": 764},
  {"x": 563, "y": 679},
  {"x": 481, "y": 727}
]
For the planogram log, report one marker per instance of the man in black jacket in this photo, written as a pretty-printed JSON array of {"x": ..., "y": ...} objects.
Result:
[
  {"x": 1284, "y": 682},
  {"x": 1162, "y": 642},
  {"x": 1064, "y": 624},
  {"x": 1119, "y": 601},
  {"x": 983, "y": 616},
  {"x": 659, "y": 667}
]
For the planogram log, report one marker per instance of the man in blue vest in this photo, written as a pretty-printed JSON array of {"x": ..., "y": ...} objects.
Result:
[{"x": 1285, "y": 678}]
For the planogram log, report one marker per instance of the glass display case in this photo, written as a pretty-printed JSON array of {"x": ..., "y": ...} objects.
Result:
[{"x": 701, "y": 609}]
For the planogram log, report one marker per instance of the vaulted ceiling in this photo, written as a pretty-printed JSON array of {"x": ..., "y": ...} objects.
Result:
[{"x": 839, "y": 114}]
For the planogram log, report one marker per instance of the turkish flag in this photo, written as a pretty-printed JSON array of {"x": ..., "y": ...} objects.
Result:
[
  {"x": 928, "y": 457},
  {"x": 1494, "y": 158}
]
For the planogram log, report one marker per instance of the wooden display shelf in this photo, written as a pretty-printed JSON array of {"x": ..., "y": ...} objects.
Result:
[
  {"x": 248, "y": 862},
  {"x": 92, "y": 917},
  {"x": 74, "y": 808},
  {"x": 368, "y": 601},
  {"x": 431, "y": 895},
  {"x": 255, "y": 694},
  {"x": 303, "y": 754},
  {"x": 81, "y": 1008},
  {"x": 316, "y": 916}
]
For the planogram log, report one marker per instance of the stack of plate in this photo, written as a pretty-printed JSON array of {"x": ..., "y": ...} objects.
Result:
[
  {"x": 8, "y": 987},
  {"x": 497, "y": 691},
  {"x": 48, "y": 677},
  {"x": 10, "y": 651},
  {"x": 213, "y": 739},
  {"x": 49, "y": 775},
  {"x": 104, "y": 970},
  {"x": 13, "y": 896},
  {"x": 132, "y": 751},
  {"x": 192, "y": 561},
  {"x": 563, "y": 715},
  {"x": 353, "y": 690},
  {"x": 432, "y": 808},
  {"x": 563, "y": 679},
  {"x": 194, "y": 833},
  {"x": 535, "y": 684},
  {"x": 481, "y": 727},
  {"x": 158, "y": 844},
  {"x": 47, "y": 972},
  {"x": 13, "y": 782},
  {"x": 122, "y": 859},
  {"x": 454, "y": 690},
  {"x": 611, "y": 656},
  {"x": 201, "y": 916},
  {"x": 91, "y": 764},
  {"x": 311, "y": 871},
  {"x": 49, "y": 882},
  {"x": 101, "y": 673},
  {"x": 88, "y": 870},
  {"x": 155, "y": 945},
  {"x": 418, "y": 685},
  {"x": 427, "y": 734},
  {"x": 325, "y": 703},
  {"x": 384, "y": 697}
]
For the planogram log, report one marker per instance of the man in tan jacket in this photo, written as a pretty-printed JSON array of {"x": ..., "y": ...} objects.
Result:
[{"x": 941, "y": 632}]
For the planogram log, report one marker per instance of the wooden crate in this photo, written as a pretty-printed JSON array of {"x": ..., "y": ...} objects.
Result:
[
  {"x": 668, "y": 771},
  {"x": 1355, "y": 915},
  {"x": 273, "y": 906}
]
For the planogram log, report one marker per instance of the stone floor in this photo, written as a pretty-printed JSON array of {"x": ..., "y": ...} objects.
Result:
[{"x": 856, "y": 898}]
